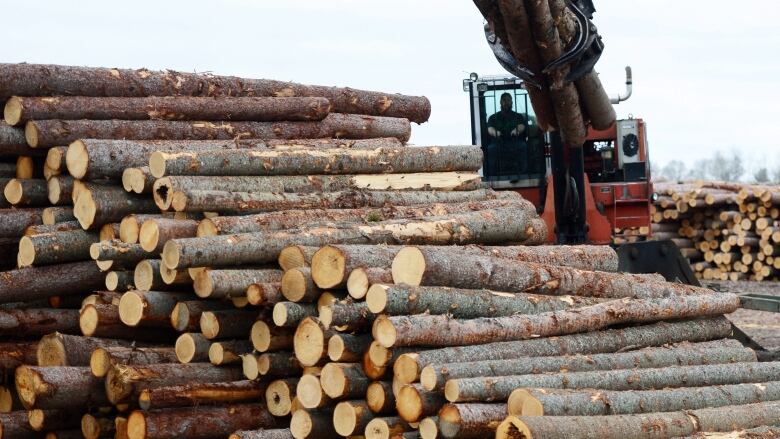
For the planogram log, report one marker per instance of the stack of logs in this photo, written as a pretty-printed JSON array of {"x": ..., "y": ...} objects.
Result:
[
  {"x": 535, "y": 33},
  {"x": 728, "y": 231}
]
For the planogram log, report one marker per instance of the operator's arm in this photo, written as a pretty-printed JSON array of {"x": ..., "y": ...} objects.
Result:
[
  {"x": 491, "y": 127},
  {"x": 521, "y": 124}
]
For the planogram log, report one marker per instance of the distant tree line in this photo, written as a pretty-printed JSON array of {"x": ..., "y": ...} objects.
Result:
[{"x": 721, "y": 166}]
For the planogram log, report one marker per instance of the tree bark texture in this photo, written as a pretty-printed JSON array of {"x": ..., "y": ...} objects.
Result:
[
  {"x": 462, "y": 270},
  {"x": 347, "y": 316},
  {"x": 289, "y": 314},
  {"x": 56, "y": 247},
  {"x": 198, "y": 422},
  {"x": 58, "y": 227},
  {"x": 229, "y": 323},
  {"x": 17, "y": 426},
  {"x": 555, "y": 402},
  {"x": 43, "y": 80},
  {"x": 499, "y": 388},
  {"x": 470, "y": 421},
  {"x": 645, "y": 426},
  {"x": 281, "y": 220},
  {"x": 33, "y": 283},
  {"x": 434, "y": 376},
  {"x": 408, "y": 366},
  {"x": 332, "y": 264},
  {"x": 317, "y": 162},
  {"x": 265, "y": 294},
  {"x": 55, "y": 132},
  {"x": 442, "y": 330},
  {"x": 71, "y": 350},
  {"x": 15, "y": 354},
  {"x": 27, "y": 192},
  {"x": 202, "y": 393},
  {"x": 121, "y": 252},
  {"x": 260, "y": 109},
  {"x": 154, "y": 233},
  {"x": 278, "y": 433},
  {"x": 185, "y": 316},
  {"x": 124, "y": 383},
  {"x": 222, "y": 284},
  {"x": 35, "y": 323},
  {"x": 414, "y": 403},
  {"x": 53, "y": 215},
  {"x": 109, "y": 204},
  {"x": 13, "y": 222},
  {"x": 59, "y": 387},
  {"x": 103, "y": 359},
  {"x": 401, "y": 300},
  {"x": 344, "y": 380}
]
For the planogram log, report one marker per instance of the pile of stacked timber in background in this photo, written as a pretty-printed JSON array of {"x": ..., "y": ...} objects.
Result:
[
  {"x": 728, "y": 231},
  {"x": 467, "y": 336},
  {"x": 536, "y": 33}
]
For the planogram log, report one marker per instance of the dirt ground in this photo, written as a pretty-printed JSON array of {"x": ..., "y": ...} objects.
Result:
[{"x": 761, "y": 326}]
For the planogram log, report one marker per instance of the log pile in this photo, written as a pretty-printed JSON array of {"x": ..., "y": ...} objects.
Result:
[{"x": 728, "y": 231}]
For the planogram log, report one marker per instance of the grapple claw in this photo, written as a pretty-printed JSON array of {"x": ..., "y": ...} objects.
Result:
[
  {"x": 507, "y": 60},
  {"x": 587, "y": 47}
]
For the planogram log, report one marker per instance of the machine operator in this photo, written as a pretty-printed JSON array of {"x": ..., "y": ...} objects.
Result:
[{"x": 508, "y": 149}]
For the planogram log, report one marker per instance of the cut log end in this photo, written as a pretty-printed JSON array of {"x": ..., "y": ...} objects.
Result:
[
  {"x": 77, "y": 159},
  {"x": 309, "y": 342},
  {"x": 90, "y": 427},
  {"x": 376, "y": 396},
  {"x": 406, "y": 369},
  {"x": 89, "y": 320},
  {"x": 149, "y": 235},
  {"x": 335, "y": 345},
  {"x": 429, "y": 429},
  {"x": 185, "y": 348},
  {"x": 334, "y": 380},
  {"x": 12, "y": 113},
  {"x": 157, "y": 164},
  {"x": 179, "y": 201},
  {"x": 294, "y": 285},
  {"x": 100, "y": 362},
  {"x": 162, "y": 193},
  {"x": 27, "y": 381},
  {"x": 357, "y": 283},
  {"x": 170, "y": 255},
  {"x": 376, "y": 298},
  {"x": 143, "y": 276},
  {"x": 409, "y": 404},
  {"x": 36, "y": 419},
  {"x": 136, "y": 425},
  {"x": 51, "y": 351},
  {"x": 31, "y": 134},
  {"x": 209, "y": 325},
  {"x": 54, "y": 190},
  {"x": 207, "y": 227},
  {"x": 278, "y": 398},
  {"x": 85, "y": 209},
  {"x": 203, "y": 284},
  {"x": 384, "y": 332},
  {"x": 377, "y": 428},
  {"x": 6, "y": 400},
  {"x": 129, "y": 229},
  {"x": 291, "y": 257},
  {"x": 408, "y": 266},
  {"x": 512, "y": 427},
  {"x": 180, "y": 317},
  {"x": 13, "y": 191},
  {"x": 309, "y": 392},
  {"x": 216, "y": 354},
  {"x": 260, "y": 334},
  {"x": 345, "y": 418},
  {"x": 452, "y": 390},
  {"x": 428, "y": 378},
  {"x": 131, "y": 308},
  {"x": 168, "y": 275},
  {"x": 328, "y": 267},
  {"x": 249, "y": 366},
  {"x": 26, "y": 256},
  {"x": 301, "y": 424}
]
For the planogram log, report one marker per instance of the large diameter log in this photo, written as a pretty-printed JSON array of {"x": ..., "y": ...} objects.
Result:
[
  {"x": 442, "y": 330},
  {"x": 56, "y": 247},
  {"x": 557, "y": 402},
  {"x": 33, "y": 283},
  {"x": 344, "y": 380},
  {"x": 664, "y": 425},
  {"x": 43, "y": 79},
  {"x": 454, "y": 268},
  {"x": 22, "y": 109},
  {"x": 222, "y": 284},
  {"x": 102, "y": 359},
  {"x": 59, "y": 387},
  {"x": 414, "y": 403},
  {"x": 492, "y": 226},
  {"x": 198, "y": 422},
  {"x": 108, "y": 158},
  {"x": 464, "y": 304},
  {"x": 351, "y": 417},
  {"x": 202, "y": 393},
  {"x": 54, "y": 132},
  {"x": 71, "y": 350},
  {"x": 262, "y": 202},
  {"x": 311, "y": 341},
  {"x": 264, "y": 222},
  {"x": 434, "y": 376},
  {"x": 499, "y": 388},
  {"x": 332, "y": 264},
  {"x": 124, "y": 383},
  {"x": 13, "y": 222},
  {"x": 408, "y": 366},
  {"x": 470, "y": 421},
  {"x": 34, "y": 323},
  {"x": 328, "y": 161},
  {"x": 221, "y": 324},
  {"x": 98, "y": 206}
]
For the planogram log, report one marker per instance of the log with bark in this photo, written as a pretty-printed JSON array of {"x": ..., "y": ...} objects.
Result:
[
  {"x": 37, "y": 322},
  {"x": 499, "y": 388},
  {"x": 361, "y": 279},
  {"x": 55, "y": 132},
  {"x": 27, "y": 192},
  {"x": 108, "y": 158},
  {"x": 224, "y": 324},
  {"x": 267, "y": 338},
  {"x": 347, "y": 316},
  {"x": 130, "y": 226},
  {"x": 44, "y": 80},
  {"x": 385, "y": 427},
  {"x": 309, "y": 392},
  {"x": 15, "y": 354},
  {"x": 149, "y": 308},
  {"x": 306, "y": 424},
  {"x": 655, "y": 425},
  {"x": 453, "y": 268},
  {"x": 414, "y": 403},
  {"x": 155, "y": 232},
  {"x": 332, "y": 264},
  {"x": 201, "y": 393},
  {"x": 470, "y": 421},
  {"x": 408, "y": 366},
  {"x": 53, "y": 215},
  {"x": 119, "y": 281},
  {"x": 558, "y": 402},
  {"x": 442, "y": 330},
  {"x": 108, "y": 204},
  {"x": 399, "y": 300},
  {"x": 148, "y": 275},
  {"x": 198, "y": 422},
  {"x": 380, "y": 397},
  {"x": 344, "y": 380},
  {"x": 434, "y": 376},
  {"x": 222, "y": 284},
  {"x": 33, "y": 283},
  {"x": 60, "y": 190},
  {"x": 185, "y": 316},
  {"x": 16, "y": 424},
  {"x": 280, "y": 395},
  {"x": 290, "y": 314},
  {"x": 56, "y": 247},
  {"x": 59, "y": 387},
  {"x": 290, "y": 257},
  {"x": 351, "y": 417},
  {"x": 117, "y": 251},
  {"x": 71, "y": 350},
  {"x": 138, "y": 180},
  {"x": 264, "y": 222},
  {"x": 96, "y": 426},
  {"x": 59, "y": 227},
  {"x": 348, "y": 348},
  {"x": 102, "y": 359},
  {"x": 317, "y": 162},
  {"x": 228, "y": 352},
  {"x": 492, "y": 226},
  {"x": 277, "y": 433},
  {"x": 13, "y": 222},
  {"x": 311, "y": 341},
  {"x": 278, "y": 364},
  {"x": 19, "y": 110},
  {"x": 124, "y": 383}
]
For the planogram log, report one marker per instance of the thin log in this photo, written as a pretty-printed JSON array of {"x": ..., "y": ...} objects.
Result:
[
  {"x": 278, "y": 364},
  {"x": 70, "y": 350},
  {"x": 267, "y": 338},
  {"x": 34, "y": 323},
  {"x": 380, "y": 397},
  {"x": 328, "y": 161},
  {"x": 306, "y": 424},
  {"x": 138, "y": 180},
  {"x": 347, "y": 316},
  {"x": 434, "y": 376},
  {"x": 29, "y": 192},
  {"x": 43, "y": 79},
  {"x": 351, "y": 417},
  {"x": 33, "y": 283},
  {"x": 385, "y": 427},
  {"x": 278, "y": 433},
  {"x": 198, "y": 422},
  {"x": 56, "y": 247},
  {"x": 279, "y": 396},
  {"x": 222, "y": 324},
  {"x": 408, "y": 366},
  {"x": 344, "y": 380},
  {"x": 192, "y": 347},
  {"x": 228, "y": 352},
  {"x": 470, "y": 421},
  {"x": 223, "y": 284},
  {"x": 150, "y": 308},
  {"x": 102, "y": 359},
  {"x": 58, "y": 227},
  {"x": 361, "y": 279},
  {"x": 188, "y": 395},
  {"x": 97, "y": 206},
  {"x": 60, "y": 189},
  {"x": 185, "y": 316},
  {"x": 95, "y": 427},
  {"x": 53, "y": 215},
  {"x": 155, "y": 232},
  {"x": 22, "y": 109},
  {"x": 347, "y": 348},
  {"x": 290, "y": 314},
  {"x": 54, "y": 132},
  {"x": 414, "y": 403}
]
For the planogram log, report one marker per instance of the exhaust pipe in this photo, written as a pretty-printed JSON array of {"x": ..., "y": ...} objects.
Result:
[{"x": 629, "y": 89}]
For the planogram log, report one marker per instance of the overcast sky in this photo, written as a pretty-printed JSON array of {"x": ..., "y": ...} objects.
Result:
[{"x": 706, "y": 73}]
